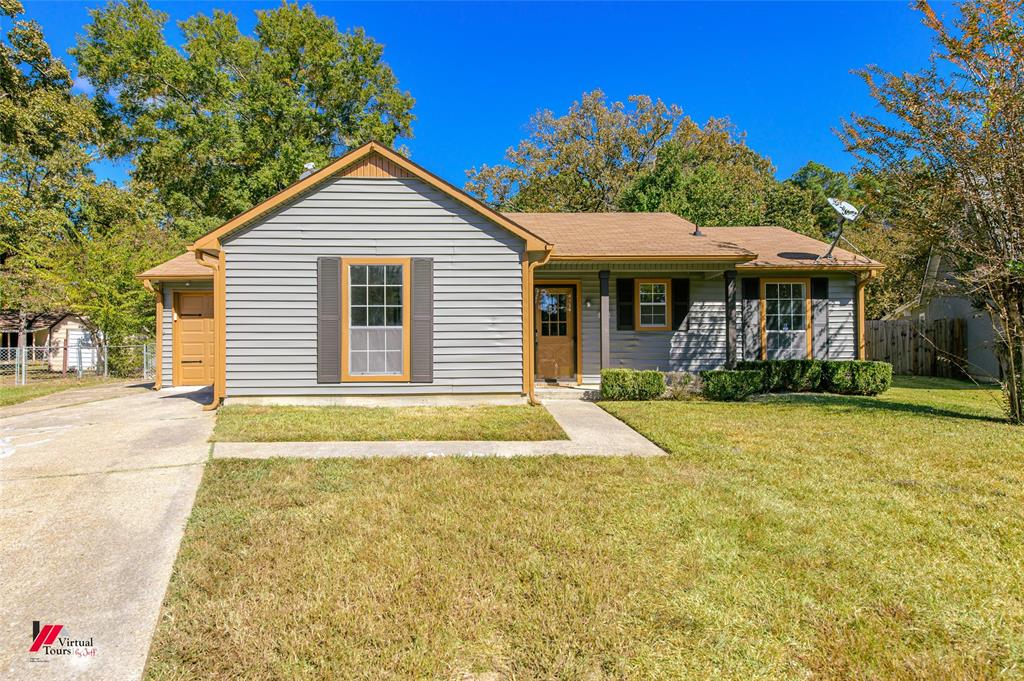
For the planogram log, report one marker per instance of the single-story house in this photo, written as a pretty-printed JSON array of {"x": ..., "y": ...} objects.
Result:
[
  {"x": 374, "y": 277},
  {"x": 52, "y": 337}
]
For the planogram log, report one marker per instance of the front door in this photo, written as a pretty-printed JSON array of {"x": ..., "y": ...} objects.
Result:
[
  {"x": 555, "y": 332},
  {"x": 193, "y": 339}
]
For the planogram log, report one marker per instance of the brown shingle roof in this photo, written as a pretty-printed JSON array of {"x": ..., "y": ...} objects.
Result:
[
  {"x": 183, "y": 266},
  {"x": 778, "y": 247},
  {"x": 654, "y": 235},
  {"x": 627, "y": 235}
]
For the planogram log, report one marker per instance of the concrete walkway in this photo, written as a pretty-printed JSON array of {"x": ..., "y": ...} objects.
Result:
[
  {"x": 592, "y": 432},
  {"x": 93, "y": 503}
]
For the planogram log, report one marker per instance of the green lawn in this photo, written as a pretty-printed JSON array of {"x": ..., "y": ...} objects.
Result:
[
  {"x": 14, "y": 394},
  {"x": 799, "y": 537},
  {"x": 245, "y": 423}
]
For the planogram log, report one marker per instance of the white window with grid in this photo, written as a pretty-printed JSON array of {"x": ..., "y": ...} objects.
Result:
[
  {"x": 653, "y": 304},
  {"x": 376, "y": 332},
  {"x": 786, "y": 320}
]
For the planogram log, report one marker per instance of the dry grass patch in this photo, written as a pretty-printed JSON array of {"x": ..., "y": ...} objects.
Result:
[
  {"x": 802, "y": 537},
  {"x": 15, "y": 394},
  {"x": 244, "y": 423}
]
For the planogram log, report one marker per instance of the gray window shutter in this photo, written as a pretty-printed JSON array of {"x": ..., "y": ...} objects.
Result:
[
  {"x": 422, "y": 341},
  {"x": 328, "y": 320},
  {"x": 819, "y": 318},
  {"x": 680, "y": 304},
  {"x": 624, "y": 304}
]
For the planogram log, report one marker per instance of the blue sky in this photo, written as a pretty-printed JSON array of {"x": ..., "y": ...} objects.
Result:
[{"x": 780, "y": 71}]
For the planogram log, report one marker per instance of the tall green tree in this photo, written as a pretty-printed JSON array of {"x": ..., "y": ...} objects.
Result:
[
  {"x": 229, "y": 119},
  {"x": 951, "y": 143},
  {"x": 67, "y": 242},
  {"x": 709, "y": 176},
  {"x": 579, "y": 161},
  {"x": 45, "y": 134}
]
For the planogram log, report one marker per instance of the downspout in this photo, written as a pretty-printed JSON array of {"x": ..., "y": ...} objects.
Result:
[
  {"x": 219, "y": 322},
  {"x": 528, "y": 312}
]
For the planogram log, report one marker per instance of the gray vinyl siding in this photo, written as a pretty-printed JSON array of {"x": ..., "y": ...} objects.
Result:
[
  {"x": 271, "y": 288},
  {"x": 701, "y": 346},
  {"x": 841, "y": 320},
  {"x": 842, "y": 325},
  {"x": 167, "y": 326}
]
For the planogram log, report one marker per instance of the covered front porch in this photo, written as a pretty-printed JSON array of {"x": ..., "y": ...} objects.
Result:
[{"x": 685, "y": 316}]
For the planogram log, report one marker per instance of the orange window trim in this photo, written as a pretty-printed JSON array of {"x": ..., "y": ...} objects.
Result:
[
  {"x": 406, "y": 374},
  {"x": 667, "y": 283},
  {"x": 807, "y": 311}
]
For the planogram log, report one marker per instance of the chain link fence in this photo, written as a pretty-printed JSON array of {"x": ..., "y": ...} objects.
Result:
[{"x": 31, "y": 364}]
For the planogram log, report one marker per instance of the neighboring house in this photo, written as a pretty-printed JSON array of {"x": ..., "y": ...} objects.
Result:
[
  {"x": 51, "y": 337},
  {"x": 374, "y": 277},
  {"x": 942, "y": 297}
]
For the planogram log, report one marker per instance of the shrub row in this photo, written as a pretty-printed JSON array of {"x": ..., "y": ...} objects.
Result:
[
  {"x": 628, "y": 384},
  {"x": 726, "y": 385},
  {"x": 798, "y": 375}
]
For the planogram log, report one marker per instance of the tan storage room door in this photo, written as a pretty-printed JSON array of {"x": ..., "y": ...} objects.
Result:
[{"x": 193, "y": 339}]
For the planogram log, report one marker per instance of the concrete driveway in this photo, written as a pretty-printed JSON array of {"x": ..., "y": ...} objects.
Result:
[{"x": 93, "y": 502}]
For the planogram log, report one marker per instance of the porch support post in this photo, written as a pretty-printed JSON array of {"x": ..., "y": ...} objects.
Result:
[
  {"x": 603, "y": 276},
  {"x": 730, "y": 319}
]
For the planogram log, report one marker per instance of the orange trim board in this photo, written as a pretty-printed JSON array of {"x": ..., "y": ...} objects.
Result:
[
  {"x": 212, "y": 240},
  {"x": 404, "y": 377}
]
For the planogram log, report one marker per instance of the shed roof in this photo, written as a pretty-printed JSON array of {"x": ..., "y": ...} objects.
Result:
[
  {"x": 628, "y": 235},
  {"x": 11, "y": 320},
  {"x": 183, "y": 266}
]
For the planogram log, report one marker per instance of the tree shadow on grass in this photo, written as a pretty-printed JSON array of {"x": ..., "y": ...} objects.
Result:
[{"x": 851, "y": 402}]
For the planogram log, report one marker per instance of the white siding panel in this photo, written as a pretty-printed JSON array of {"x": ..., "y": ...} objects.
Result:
[{"x": 271, "y": 288}]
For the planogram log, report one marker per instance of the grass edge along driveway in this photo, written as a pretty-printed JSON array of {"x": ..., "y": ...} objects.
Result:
[
  {"x": 801, "y": 536},
  {"x": 16, "y": 394},
  {"x": 252, "y": 423}
]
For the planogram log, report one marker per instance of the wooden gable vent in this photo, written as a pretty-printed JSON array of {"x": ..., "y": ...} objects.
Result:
[{"x": 375, "y": 165}]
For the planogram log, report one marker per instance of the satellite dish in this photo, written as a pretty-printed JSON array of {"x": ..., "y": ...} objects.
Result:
[
  {"x": 847, "y": 213},
  {"x": 844, "y": 209}
]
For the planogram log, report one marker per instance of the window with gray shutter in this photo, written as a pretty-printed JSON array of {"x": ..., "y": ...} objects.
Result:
[
  {"x": 328, "y": 320},
  {"x": 422, "y": 341}
]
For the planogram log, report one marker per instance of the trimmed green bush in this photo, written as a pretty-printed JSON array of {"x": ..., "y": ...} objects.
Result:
[
  {"x": 629, "y": 384},
  {"x": 845, "y": 377},
  {"x": 730, "y": 386},
  {"x": 788, "y": 375},
  {"x": 871, "y": 378},
  {"x": 837, "y": 377}
]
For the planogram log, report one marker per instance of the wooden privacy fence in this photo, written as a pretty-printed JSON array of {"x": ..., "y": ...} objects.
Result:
[{"x": 923, "y": 348}]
